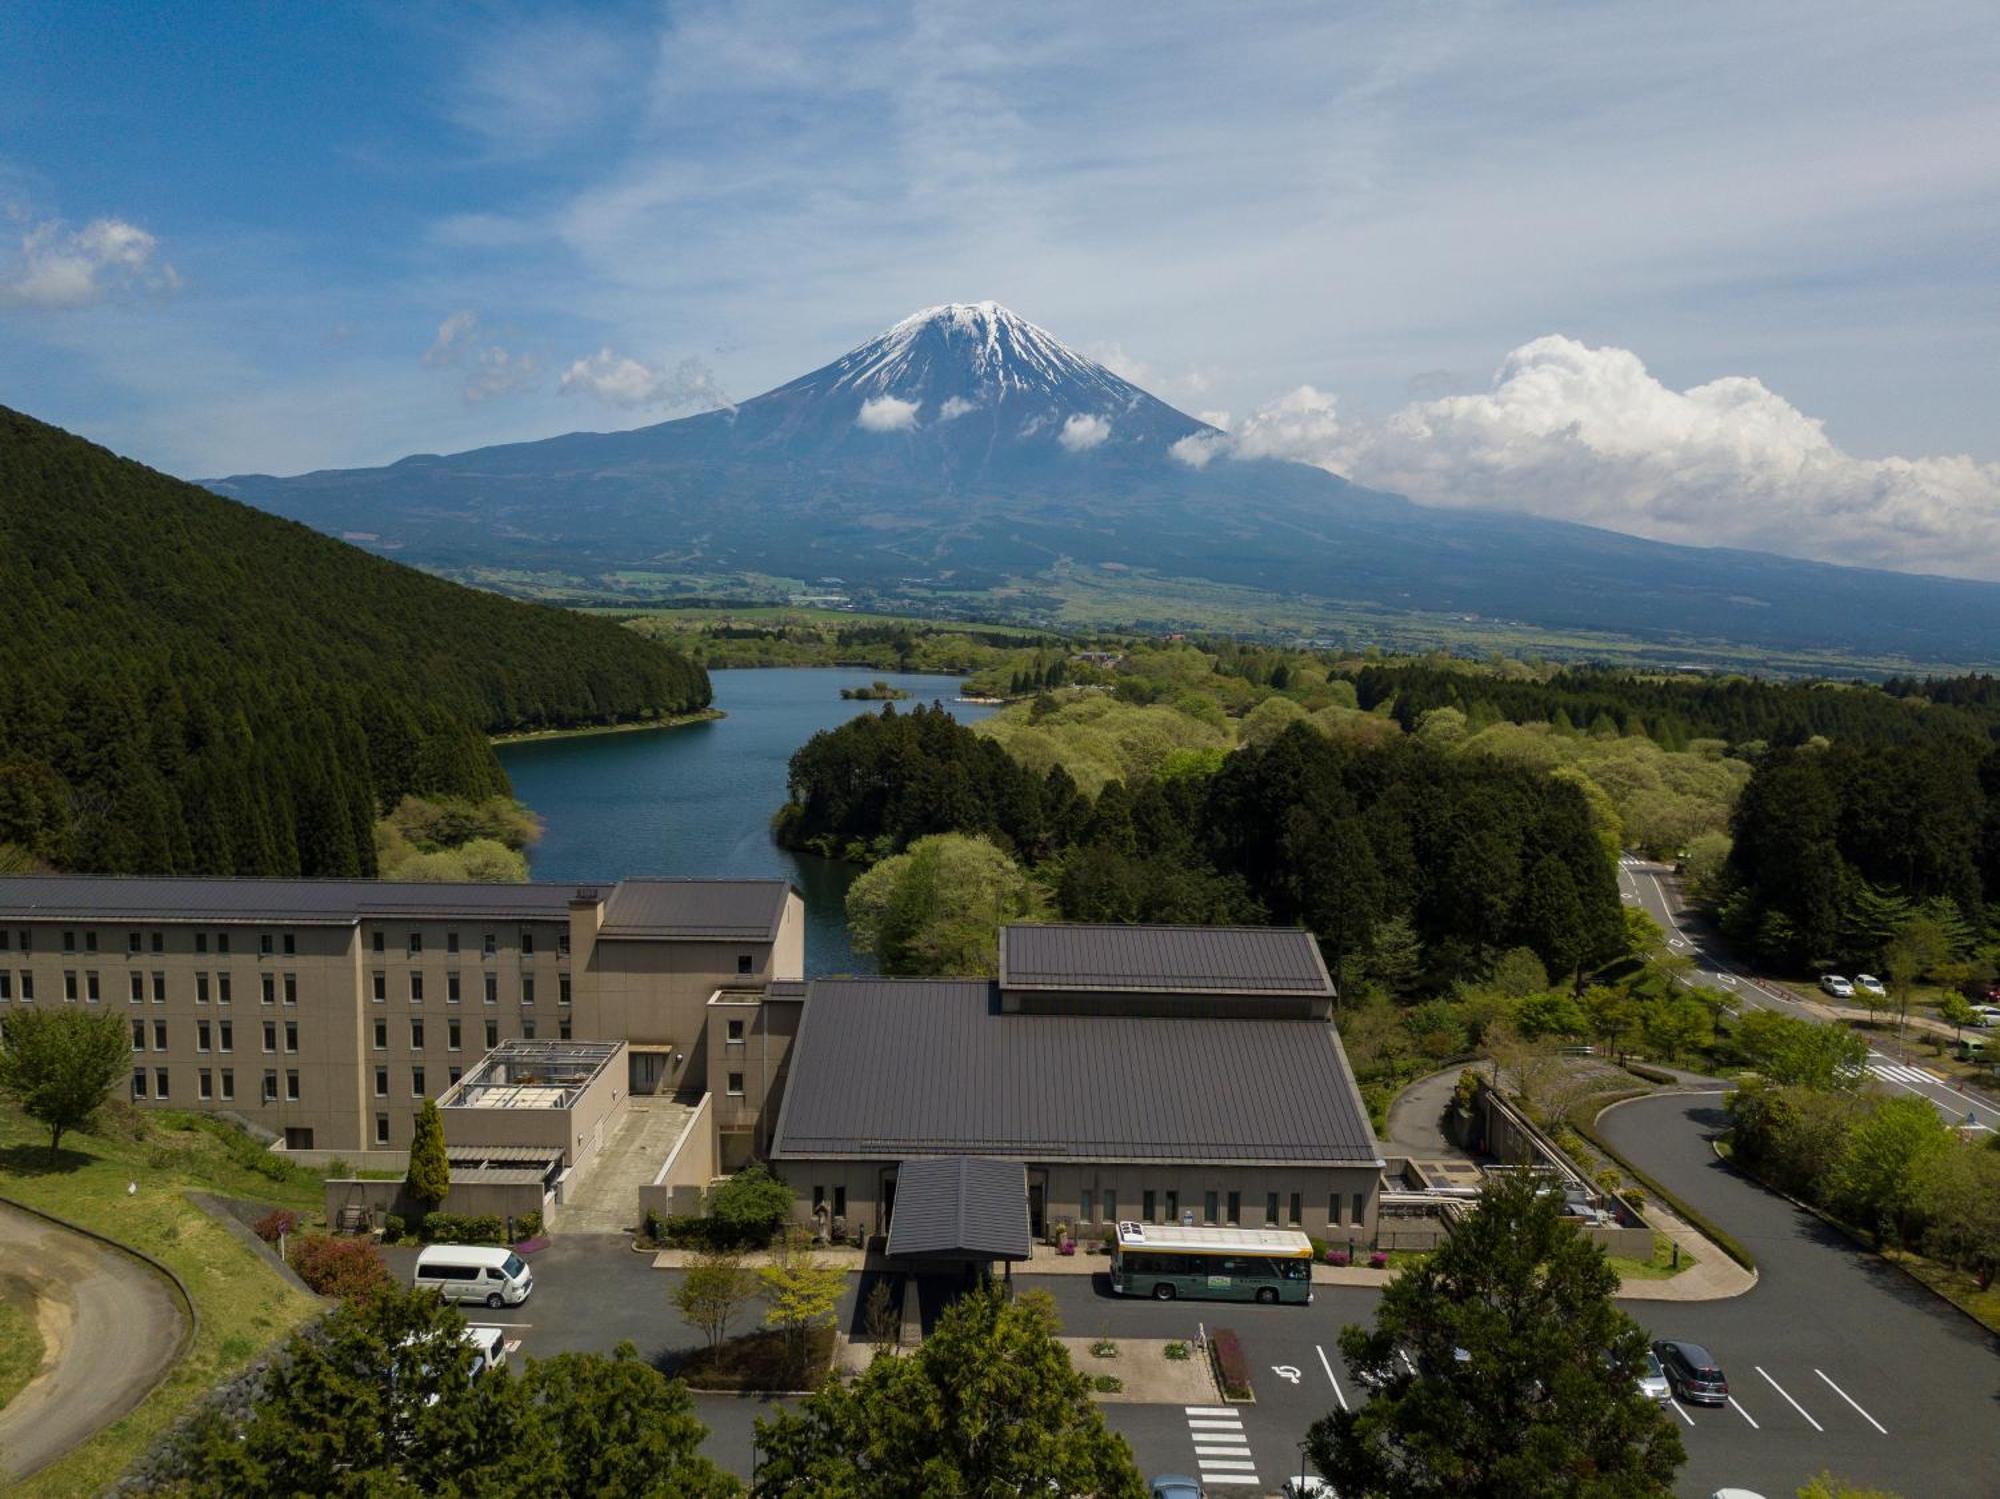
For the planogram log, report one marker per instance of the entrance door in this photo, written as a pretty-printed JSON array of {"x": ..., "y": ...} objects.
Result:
[
  {"x": 648, "y": 1067},
  {"x": 1037, "y": 1219}
]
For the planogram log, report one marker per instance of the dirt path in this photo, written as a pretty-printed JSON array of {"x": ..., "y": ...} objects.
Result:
[{"x": 112, "y": 1327}]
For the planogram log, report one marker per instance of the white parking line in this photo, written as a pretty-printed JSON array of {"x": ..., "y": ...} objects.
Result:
[
  {"x": 1406, "y": 1361},
  {"x": 1324, "y": 1364},
  {"x": 1851, "y": 1401},
  {"x": 1743, "y": 1413},
  {"x": 1788, "y": 1399},
  {"x": 1678, "y": 1411}
]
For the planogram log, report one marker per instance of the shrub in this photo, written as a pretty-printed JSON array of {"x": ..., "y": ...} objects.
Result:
[
  {"x": 1319, "y": 1248},
  {"x": 1232, "y": 1368},
  {"x": 529, "y": 1225},
  {"x": 1379, "y": 1260},
  {"x": 1337, "y": 1257},
  {"x": 338, "y": 1169},
  {"x": 656, "y": 1226},
  {"x": 1104, "y": 1348},
  {"x": 456, "y": 1228},
  {"x": 1106, "y": 1384},
  {"x": 749, "y": 1206},
  {"x": 350, "y": 1269},
  {"x": 275, "y": 1224},
  {"x": 393, "y": 1229},
  {"x": 1180, "y": 1353}
]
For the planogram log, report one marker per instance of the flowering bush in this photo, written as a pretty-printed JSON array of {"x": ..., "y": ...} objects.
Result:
[
  {"x": 1378, "y": 1260},
  {"x": 1336, "y": 1257}
]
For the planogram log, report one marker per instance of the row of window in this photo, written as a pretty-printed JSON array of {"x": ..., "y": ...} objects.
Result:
[
  {"x": 489, "y": 944},
  {"x": 453, "y": 1032},
  {"x": 213, "y": 1086},
  {"x": 379, "y": 988},
  {"x": 1280, "y": 1211},
  {"x": 267, "y": 942},
  {"x": 89, "y": 987},
  {"x": 222, "y": 1033},
  {"x": 417, "y": 1081}
]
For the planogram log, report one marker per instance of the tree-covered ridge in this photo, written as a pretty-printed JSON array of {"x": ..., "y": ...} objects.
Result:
[{"x": 190, "y": 686}]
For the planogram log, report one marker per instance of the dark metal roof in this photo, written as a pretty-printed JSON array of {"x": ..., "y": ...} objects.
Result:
[
  {"x": 960, "y": 1207},
  {"x": 718, "y": 910},
  {"x": 157, "y": 898},
  {"x": 1163, "y": 959},
  {"x": 887, "y": 1068}
]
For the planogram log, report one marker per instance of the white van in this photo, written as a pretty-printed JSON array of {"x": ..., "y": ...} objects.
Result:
[
  {"x": 475, "y": 1272},
  {"x": 489, "y": 1348}
]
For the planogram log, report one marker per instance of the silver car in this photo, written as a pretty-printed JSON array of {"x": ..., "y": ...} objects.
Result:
[{"x": 1653, "y": 1380}]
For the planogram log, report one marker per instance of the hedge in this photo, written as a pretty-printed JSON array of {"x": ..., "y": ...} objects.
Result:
[
  {"x": 1587, "y": 1127},
  {"x": 1232, "y": 1369},
  {"x": 482, "y": 1228}
]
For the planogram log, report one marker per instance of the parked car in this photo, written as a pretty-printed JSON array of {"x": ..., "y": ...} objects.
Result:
[
  {"x": 1736, "y": 1494},
  {"x": 1837, "y": 986},
  {"x": 1868, "y": 983},
  {"x": 1985, "y": 1015},
  {"x": 1174, "y": 1486},
  {"x": 1692, "y": 1373},
  {"x": 1653, "y": 1379},
  {"x": 475, "y": 1272}
]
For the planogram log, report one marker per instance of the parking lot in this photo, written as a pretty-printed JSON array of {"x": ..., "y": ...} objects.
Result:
[{"x": 1834, "y": 1360}]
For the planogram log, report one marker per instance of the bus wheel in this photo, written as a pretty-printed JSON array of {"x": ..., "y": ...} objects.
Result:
[
  {"x": 1163, "y": 1292},
  {"x": 1266, "y": 1295},
  {"x": 493, "y": 1300}
]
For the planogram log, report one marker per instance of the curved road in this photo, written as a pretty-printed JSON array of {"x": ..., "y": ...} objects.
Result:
[
  {"x": 112, "y": 1327},
  {"x": 1653, "y": 889}
]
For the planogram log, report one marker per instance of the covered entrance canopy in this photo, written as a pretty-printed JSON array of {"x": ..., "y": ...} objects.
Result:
[{"x": 960, "y": 1208}]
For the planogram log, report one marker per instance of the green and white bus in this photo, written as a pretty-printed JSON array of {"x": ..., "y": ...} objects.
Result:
[{"x": 1222, "y": 1264}]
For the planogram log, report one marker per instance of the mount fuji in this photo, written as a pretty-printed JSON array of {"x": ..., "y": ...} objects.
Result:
[{"x": 967, "y": 451}]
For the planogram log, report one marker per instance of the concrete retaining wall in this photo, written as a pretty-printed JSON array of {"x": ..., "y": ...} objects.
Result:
[{"x": 690, "y": 1166}]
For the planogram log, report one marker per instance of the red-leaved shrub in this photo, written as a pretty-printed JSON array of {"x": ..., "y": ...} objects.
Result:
[
  {"x": 275, "y": 1224},
  {"x": 348, "y": 1268},
  {"x": 1231, "y": 1366}
]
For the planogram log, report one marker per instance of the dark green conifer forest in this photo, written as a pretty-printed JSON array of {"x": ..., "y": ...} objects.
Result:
[{"x": 191, "y": 686}]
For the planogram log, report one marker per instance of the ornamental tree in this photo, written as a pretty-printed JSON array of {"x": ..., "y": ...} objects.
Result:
[
  {"x": 429, "y": 1176},
  {"x": 58, "y": 1065}
]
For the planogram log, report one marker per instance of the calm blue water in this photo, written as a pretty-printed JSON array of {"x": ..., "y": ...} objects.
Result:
[{"x": 698, "y": 800}]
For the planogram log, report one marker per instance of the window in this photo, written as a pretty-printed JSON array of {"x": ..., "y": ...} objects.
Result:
[
  {"x": 451, "y": 941},
  {"x": 291, "y": 1035},
  {"x": 159, "y": 988},
  {"x": 291, "y": 988},
  {"x": 264, "y": 943},
  {"x": 1235, "y": 1209},
  {"x": 492, "y": 989},
  {"x": 27, "y": 943},
  {"x": 489, "y": 946},
  {"x": 416, "y": 988},
  {"x": 1270, "y": 1208},
  {"x": 735, "y": 1085},
  {"x": 819, "y": 1197},
  {"x": 222, "y": 942},
  {"x": 291, "y": 943},
  {"x": 204, "y": 1084},
  {"x": 201, "y": 1035},
  {"x": 527, "y": 944},
  {"x": 226, "y": 1035},
  {"x": 90, "y": 941},
  {"x": 562, "y": 989},
  {"x": 159, "y": 1082},
  {"x": 1110, "y": 1205},
  {"x": 451, "y": 990},
  {"x": 1298, "y": 1210},
  {"x": 6, "y": 985},
  {"x": 452, "y": 1074},
  {"x": 381, "y": 1082},
  {"x": 492, "y": 1034},
  {"x": 138, "y": 1035},
  {"x": 159, "y": 942},
  {"x": 292, "y": 1085},
  {"x": 134, "y": 941},
  {"x": 201, "y": 941},
  {"x": 270, "y": 1086},
  {"x": 381, "y": 1129},
  {"x": 1147, "y": 1204},
  {"x": 222, "y": 988},
  {"x": 527, "y": 990},
  {"x": 416, "y": 1035},
  {"x": 416, "y": 1082},
  {"x": 416, "y": 943},
  {"x": 270, "y": 982},
  {"x": 229, "y": 1085},
  {"x": 1173, "y": 1207},
  {"x": 201, "y": 988},
  {"x": 3, "y": 939},
  {"x": 138, "y": 1082},
  {"x": 743, "y": 962},
  {"x": 736, "y": 1032},
  {"x": 527, "y": 1027},
  {"x": 90, "y": 989},
  {"x": 381, "y": 942},
  {"x": 381, "y": 1035},
  {"x": 562, "y": 943},
  {"x": 270, "y": 1035},
  {"x": 138, "y": 986},
  {"x": 380, "y": 992},
  {"x": 69, "y": 984},
  {"x": 562, "y": 1027},
  {"x": 1333, "y": 1210},
  {"x": 1085, "y": 1207},
  {"x": 840, "y": 1202},
  {"x": 69, "y": 941},
  {"x": 1360, "y": 1207},
  {"x": 27, "y": 987},
  {"x": 451, "y": 1035}
]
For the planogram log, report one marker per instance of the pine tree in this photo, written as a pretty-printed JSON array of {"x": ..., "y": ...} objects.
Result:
[{"x": 429, "y": 1176}]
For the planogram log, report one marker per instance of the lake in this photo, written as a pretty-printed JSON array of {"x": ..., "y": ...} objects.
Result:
[{"x": 698, "y": 800}]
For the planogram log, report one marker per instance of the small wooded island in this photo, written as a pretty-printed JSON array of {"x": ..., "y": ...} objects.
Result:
[{"x": 877, "y": 691}]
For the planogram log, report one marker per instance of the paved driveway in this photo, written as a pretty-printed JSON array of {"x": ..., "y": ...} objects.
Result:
[{"x": 112, "y": 1326}]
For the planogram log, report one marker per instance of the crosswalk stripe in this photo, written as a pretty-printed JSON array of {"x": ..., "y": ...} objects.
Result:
[
  {"x": 1208, "y": 1452},
  {"x": 1208, "y": 1410},
  {"x": 1229, "y": 1477},
  {"x": 1209, "y": 1425},
  {"x": 1226, "y": 1465}
]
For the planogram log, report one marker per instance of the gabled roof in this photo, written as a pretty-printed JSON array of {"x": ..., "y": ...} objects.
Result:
[
  {"x": 888, "y": 1068},
  {"x": 711, "y": 910},
  {"x": 1163, "y": 959},
  {"x": 960, "y": 1207},
  {"x": 305, "y": 902}
]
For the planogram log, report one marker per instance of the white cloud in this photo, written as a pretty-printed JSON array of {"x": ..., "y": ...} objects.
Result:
[
  {"x": 955, "y": 407},
  {"x": 887, "y": 414},
  {"x": 1588, "y": 434},
  {"x": 1082, "y": 432},
  {"x": 57, "y": 267},
  {"x": 620, "y": 380},
  {"x": 463, "y": 343}
]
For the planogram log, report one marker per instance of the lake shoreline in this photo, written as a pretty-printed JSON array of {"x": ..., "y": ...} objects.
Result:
[{"x": 677, "y": 721}]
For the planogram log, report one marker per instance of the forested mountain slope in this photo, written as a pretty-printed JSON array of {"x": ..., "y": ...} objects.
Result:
[{"x": 188, "y": 685}]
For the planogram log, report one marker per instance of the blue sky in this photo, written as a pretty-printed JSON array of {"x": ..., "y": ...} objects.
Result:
[{"x": 231, "y": 233}]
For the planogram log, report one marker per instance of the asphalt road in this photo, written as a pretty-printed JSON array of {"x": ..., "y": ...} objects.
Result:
[
  {"x": 1654, "y": 890},
  {"x": 112, "y": 1327}
]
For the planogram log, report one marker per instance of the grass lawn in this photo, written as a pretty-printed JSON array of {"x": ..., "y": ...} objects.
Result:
[
  {"x": 1956, "y": 1286},
  {"x": 243, "y": 1306},
  {"x": 20, "y": 1349},
  {"x": 1660, "y": 1267}
]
